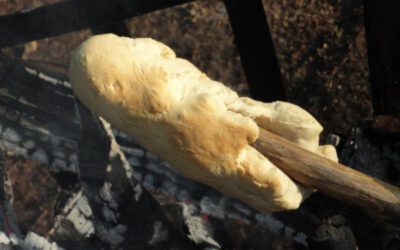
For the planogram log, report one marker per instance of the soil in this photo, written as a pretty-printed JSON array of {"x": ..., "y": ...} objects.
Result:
[{"x": 35, "y": 194}]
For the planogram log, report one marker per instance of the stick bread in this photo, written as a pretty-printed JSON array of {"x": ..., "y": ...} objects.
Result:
[{"x": 198, "y": 125}]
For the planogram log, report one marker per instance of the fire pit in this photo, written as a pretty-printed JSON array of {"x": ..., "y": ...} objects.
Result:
[{"x": 71, "y": 181}]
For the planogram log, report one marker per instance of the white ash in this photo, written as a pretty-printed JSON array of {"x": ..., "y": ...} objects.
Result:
[
  {"x": 278, "y": 227},
  {"x": 73, "y": 157},
  {"x": 71, "y": 203},
  {"x": 47, "y": 78},
  {"x": 122, "y": 134},
  {"x": 12, "y": 116},
  {"x": 13, "y": 149},
  {"x": 108, "y": 214},
  {"x": 10, "y": 240},
  {"x": 40, "y": 155},
  {"x": 7, "y": 146},
  {"x": 58, "y": 153},
  {"x": 14, "y": 239},
  {"x": 109, "y": 168},
  {"x": 183, "y": 195},
  {"x": 241, "y": 208},
  {"x": 266, "y": 219},
  {"x": 301, "y": 238},
  {"x": 169, "y": 188},
  {"x": 84, "y": 207},
  {"x": 55, "y": 141},
  {"x": 28, "y": 133},
  {"x": 70, "y": 144},
  {"x": 107, "y": 195},
  {"x": 133, "y": 161},
  {"x": 44, "y": 137},
  {"x": 24, "y": 122},
  {"x": 138, "y": 191},
  {"x": 73, "y": 168},
  {"x": 116, "y": 150},
  {"x": 11, "y": 135},
  {"x": 171, "y": 175},
  {"x": 167, "y": 166},
  {"x": 105, "y": 192},
  {"x": 115, "y": 131},
  {"x": 114, "y": 236},
  {"x": 23, "y": 100},
  {"x": 59, "y": 164},
  {"x": 159, "y": 234},
  {"x": 333, "y": 139},
  {"x": 36, "y": 242},
  {"x": 238, "y": 217},
  {"x": 152, "y": 157},
  {"x": 4, "y": 239},
  {"x": 199, "y": 230},
  {"x": 148, "y": 182},
  {"x": 78, "y": 217},
  {"x": 207, "y": 206},
  {"x": 29, "y": 144},
  {"x": 154, "y": 168},
  {"x": 78, "y": 211},
  {"x": 138, "y": 176},
  {"x": 136, "y": 153}
]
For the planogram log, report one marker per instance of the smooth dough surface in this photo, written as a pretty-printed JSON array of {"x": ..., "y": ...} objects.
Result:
[{"x": 199, "y": 126}]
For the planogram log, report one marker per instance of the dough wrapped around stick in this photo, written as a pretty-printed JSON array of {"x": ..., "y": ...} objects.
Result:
[{"x": 198, "y": 125}]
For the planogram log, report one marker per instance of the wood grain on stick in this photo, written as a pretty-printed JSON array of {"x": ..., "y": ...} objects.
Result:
[{"x": 330, "y": 178}]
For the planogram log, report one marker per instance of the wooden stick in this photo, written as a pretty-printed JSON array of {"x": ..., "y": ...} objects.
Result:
[{"x": 330, "y": 178}]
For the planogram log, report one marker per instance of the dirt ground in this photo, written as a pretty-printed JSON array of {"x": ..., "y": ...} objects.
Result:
[{"x": 320, "y": 47}]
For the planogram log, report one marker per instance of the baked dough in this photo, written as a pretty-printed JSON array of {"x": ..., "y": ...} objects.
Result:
[{"x": 201, "y": 127}]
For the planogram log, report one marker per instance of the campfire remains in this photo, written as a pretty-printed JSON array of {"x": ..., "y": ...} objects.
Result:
[{"x": 70, "y": 181}]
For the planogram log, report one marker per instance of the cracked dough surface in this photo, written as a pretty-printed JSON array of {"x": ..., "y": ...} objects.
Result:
[{"x": 199, "y": 126}]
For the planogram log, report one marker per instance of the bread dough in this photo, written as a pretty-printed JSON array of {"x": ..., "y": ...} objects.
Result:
[{"x": 199, "y": 126}]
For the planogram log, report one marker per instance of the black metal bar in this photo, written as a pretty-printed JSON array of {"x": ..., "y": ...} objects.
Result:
[
  {"x": 256, "y": 49},
  {"x": 382, "y": 25},
  {"x": 118, "y": 28},
  {"x": 72, "y": 15}
]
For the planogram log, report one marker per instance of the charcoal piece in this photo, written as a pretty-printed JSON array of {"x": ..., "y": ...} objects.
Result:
[
  {"x": 368, "y": 151},
  {"x": 197, "y": 228},
  {"x": 333, "y": 234}
]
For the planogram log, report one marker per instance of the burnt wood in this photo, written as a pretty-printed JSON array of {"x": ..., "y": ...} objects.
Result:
[
  {"x": 369, "y": 194},
  {"x": 382, "y": 25},
  {"x": 256, "y": 49},
  {"x": 333, "y": 234},
  {"x": 72, "y": 15}
]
